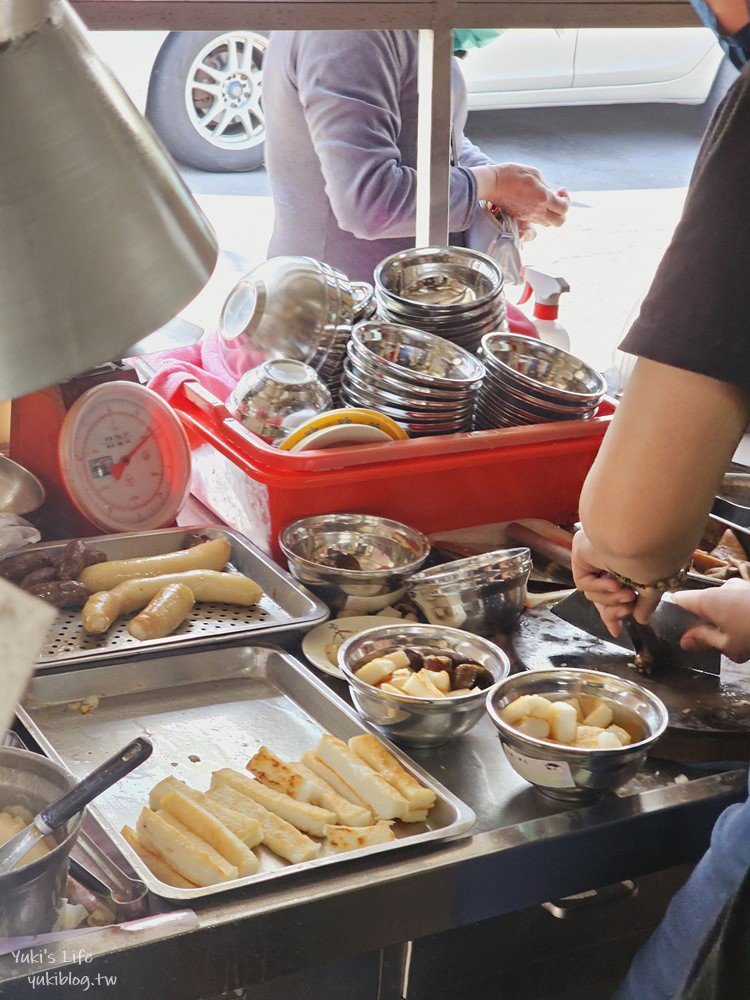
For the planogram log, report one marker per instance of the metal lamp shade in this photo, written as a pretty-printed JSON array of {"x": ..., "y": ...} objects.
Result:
[{"x": 101, "y": 242}]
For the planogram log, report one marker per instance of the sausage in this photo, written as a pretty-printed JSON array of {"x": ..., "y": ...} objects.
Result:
[
  {"x": 103, "y": 608},
  {"x": 72, "y": 560},
  {"x": 164, "y": 612},
  {"x": 15, "y": 568},
  {"x": 212, "y": 555},
  {"x": 42, "y": 575},
  {"x": 93, "y": 556},
  {"x": 62, "y": 593}
]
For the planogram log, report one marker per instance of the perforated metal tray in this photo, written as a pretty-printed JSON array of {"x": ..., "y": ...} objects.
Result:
[
  {"x": 284, "y": 607},
  {"x": 203, "y": 712}
]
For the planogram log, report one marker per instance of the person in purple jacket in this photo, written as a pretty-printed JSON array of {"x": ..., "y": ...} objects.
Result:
[{"x": 341, "y": 151}]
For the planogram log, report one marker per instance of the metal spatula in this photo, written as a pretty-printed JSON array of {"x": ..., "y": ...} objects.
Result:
[{"x": 60, "y": 811}]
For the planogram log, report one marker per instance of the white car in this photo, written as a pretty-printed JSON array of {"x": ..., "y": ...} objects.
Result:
[{"x": 202, "y": 90}]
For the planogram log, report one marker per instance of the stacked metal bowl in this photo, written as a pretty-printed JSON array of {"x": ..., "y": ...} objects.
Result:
[
  {"x": 296, "y": 308},
  {"x": 453, "y": 292},
  {"x": 530, "y": 382},
  {"x": 428, "y": 385},
  {"x": 482, "y": 594}
]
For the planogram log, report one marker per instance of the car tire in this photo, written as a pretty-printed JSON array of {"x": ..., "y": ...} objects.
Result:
[{"x": 223, "y": 131}]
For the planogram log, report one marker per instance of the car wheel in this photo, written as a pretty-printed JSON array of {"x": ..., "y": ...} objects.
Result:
[{"x": 204, "y": 98}]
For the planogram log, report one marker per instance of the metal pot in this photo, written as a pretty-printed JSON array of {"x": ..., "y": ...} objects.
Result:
[{"x": 30, "y": 896}]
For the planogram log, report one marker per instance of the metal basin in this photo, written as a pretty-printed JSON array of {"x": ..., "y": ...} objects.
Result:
[
  {"x": 20, "y": 490},
  {"x": 31, "y": 895}
]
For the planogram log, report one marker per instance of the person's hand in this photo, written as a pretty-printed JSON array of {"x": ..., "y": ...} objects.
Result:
[
  {"x": 526, "y": 232},
  {"x": 613, "y": 601},
  {"x": 520, "y": 191},
  {"x": 726, "y": 611},
  {"x": 732, "y": 15}
]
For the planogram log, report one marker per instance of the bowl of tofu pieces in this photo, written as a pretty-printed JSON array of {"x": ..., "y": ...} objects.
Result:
[
  {"x": 575, "y": 734},
  {"x": 421, "y": 685}
]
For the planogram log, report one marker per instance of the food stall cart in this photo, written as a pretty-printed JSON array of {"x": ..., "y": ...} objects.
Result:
[{"x": 369, "y": 920}]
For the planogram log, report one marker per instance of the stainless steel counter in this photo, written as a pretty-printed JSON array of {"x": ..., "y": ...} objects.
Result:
[{"x": 525, "y": 849}]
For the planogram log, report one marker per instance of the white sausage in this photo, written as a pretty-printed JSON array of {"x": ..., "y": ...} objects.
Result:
[
  {"x": 164, "y": 613},
  {"x": 208, "y": 555},
  {"x": 101, "y": 609}
]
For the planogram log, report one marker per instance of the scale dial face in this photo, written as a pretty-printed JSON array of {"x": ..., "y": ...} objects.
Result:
[{"x": 124, "y": 457}]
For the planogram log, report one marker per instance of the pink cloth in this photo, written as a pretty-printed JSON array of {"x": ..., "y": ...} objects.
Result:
[
  {"x": 519, "y": 323},
  {"x": 202, "y": 362}
]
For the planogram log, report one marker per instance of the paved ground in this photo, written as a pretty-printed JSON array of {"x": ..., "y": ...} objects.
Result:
[{"x": 626, "y": 167}]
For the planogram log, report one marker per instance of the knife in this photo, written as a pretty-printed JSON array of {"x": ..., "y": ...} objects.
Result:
[
  {"x": 736, "y": 515},
  {"x": 660, "y": 639}
]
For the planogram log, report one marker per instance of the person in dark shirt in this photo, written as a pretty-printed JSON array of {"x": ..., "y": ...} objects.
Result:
[{"x": 645, "y": 501}]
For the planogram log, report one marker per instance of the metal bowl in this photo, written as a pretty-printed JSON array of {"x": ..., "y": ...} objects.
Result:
[
  {"x": 578, "y": 773},
  {"x": 286, "y": 307},
  {"x": 277, "y": 396},
  {"x": 482, "y": 594},
  {"x": 20, "y": 490},
  {"x": 439, "y": 279},
  {"x": 546, "y": 371},
  {"x": 388, "y": 552},
  {"x": 417, "y": 356},
  {"x": 375, "y": 378},
  {"x": 419, "y": 722},
  {"x": 31, "y": 895}
]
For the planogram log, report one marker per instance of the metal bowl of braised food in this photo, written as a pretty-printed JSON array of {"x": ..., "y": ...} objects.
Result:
[
  {"x": 421, "y": 685},
  {"x": 354, "y": 562}
]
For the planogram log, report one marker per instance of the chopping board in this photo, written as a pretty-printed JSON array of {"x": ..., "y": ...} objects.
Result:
[{"x": 709, "y": 717}]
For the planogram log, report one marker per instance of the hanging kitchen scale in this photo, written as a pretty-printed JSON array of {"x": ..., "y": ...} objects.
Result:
[{"x": 124, "y": 457}]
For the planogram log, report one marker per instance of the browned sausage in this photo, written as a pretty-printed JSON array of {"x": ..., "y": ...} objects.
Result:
[
  {"x": 73, "y": 560},
  {"x": 93, "y": 556},
  {"x": 62, "y": 593},
  {"x": 15, "y": 568},
  {"x": 42, "y": 575}
]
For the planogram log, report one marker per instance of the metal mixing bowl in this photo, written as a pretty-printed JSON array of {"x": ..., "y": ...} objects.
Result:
[
  {"x": 30, "y": 895},
  {"x": 578, "y": 773},
  {"x": 416, "y": 356},
  {"x": 439, "y": 279},
  {"x": 286, "y": 307},
  {"x": 277, "y": 396},
  {"x": 419, "y": 722},
  {"x": 20, "y": 490},
  {"x": 544, "y": 371},
  {"x": 319, "y": 548},
  {"x": 483, "y": 594}
]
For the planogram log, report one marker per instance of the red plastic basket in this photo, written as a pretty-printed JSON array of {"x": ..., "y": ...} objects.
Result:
[{"x": 434, "y": 484}]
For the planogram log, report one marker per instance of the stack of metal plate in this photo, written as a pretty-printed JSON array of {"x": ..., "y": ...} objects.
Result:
[
  {"x": 530, "y": 382},
  {"x": 425, "y": 383},
  {"x": 453, "y": 292}
]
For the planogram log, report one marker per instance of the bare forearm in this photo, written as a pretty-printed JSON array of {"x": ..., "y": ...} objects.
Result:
[{"x": 645, "y": 501}]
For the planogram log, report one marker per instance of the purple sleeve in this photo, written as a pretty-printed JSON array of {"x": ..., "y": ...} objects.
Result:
[
  {"x": 660, "y": 969},
  {"x": 350, "y": 89}
]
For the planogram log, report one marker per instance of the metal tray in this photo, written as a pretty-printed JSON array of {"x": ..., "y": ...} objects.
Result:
[
  {"x": 204, "y": 710},
  {"x": 284, "y": 607}
]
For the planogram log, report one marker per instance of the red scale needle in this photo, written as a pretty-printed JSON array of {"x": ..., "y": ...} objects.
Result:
[{"x": 119, "y": 467}]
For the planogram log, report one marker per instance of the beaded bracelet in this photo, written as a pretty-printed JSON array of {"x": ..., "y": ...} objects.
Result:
[{"x": 673, "y": 582}]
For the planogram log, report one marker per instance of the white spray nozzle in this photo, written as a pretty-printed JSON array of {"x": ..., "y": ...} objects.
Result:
[{"x": 546, "y": 288}]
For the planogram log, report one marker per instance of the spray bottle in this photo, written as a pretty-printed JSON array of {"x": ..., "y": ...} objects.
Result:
[{"x": 546, "y": 291}]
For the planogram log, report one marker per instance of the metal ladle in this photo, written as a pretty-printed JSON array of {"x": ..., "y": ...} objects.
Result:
[{"x": 53, "y": 816}]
